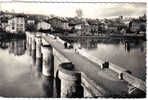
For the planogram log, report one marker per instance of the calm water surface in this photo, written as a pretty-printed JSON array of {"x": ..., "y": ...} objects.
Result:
[{"x": 18, "y": 75}]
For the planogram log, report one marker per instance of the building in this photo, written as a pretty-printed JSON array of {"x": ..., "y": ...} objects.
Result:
[
  {"x": 42, "y": 25},
  {"x": 7, "y": 29},
  {"x": 16, "y": 24},
  {"x": 94, "y": 24},
  {"x": 86, "y": 28},
  {"x": 65, "y": 25},
  {"x": 55, "y": 22},
  {"x": 30, "y": 21},
  {"x": 78, "y": 27},
  {"x": 59, "y": 23},
  {"x": 112, "y": 28}
]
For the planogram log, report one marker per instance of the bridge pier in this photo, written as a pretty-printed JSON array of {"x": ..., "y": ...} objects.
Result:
[
  {"x": 70, "y": 81},
  {"x": 48, "y": 61},
  {"x": 38, "y": 40}
]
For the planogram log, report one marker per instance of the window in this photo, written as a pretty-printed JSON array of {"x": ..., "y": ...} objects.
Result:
[
  {"x": 18, "y": 25},
  {"x": 21, "y": 25},
  {"x": 12, "y": 27}
]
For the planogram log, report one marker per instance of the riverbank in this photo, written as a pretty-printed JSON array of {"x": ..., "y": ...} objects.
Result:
[{"x": 6, "y": 35}]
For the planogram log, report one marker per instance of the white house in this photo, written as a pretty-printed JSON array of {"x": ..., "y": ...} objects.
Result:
[
  {"x": 7, "y": 29},
  {"x": 78, "y": 27},
  {"x": 16, "y": 24},
  {"x": 30, "y": 21},
  {"x": 65, "y": 25},
  {"x": 4, "y": 25},
  {"x": 43, "y": 25}
]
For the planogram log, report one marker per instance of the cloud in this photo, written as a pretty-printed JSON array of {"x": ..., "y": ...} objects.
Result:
[
  {"x": 124, "y": 9},
  {"x": 91, "y": 10}
]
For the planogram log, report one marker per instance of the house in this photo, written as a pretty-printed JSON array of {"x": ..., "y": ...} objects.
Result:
[
  {"x": 94, "y": 24},
  {"x": 7, "y": 28},
  {"x": 42, "y": 25},
  {"x": 78, "y": 27},
  {"x": 30, "y": 21},
  {"x": 64, "y": 25},
  {"x": 55, "y": 22},
  {"x": 112, "y": 28},
  {"x": 59, "y": 23},
  {"x": 17, "y": 24},
  {"x": 86, "y": 28}
]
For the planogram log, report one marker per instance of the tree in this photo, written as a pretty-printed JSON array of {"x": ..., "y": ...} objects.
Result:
[
  {"x": 142, "y": 27},
  {"x": 79, "y": 12}
]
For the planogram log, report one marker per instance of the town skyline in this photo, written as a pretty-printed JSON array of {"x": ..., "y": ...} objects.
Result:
[{"x": 90, "y": 10}]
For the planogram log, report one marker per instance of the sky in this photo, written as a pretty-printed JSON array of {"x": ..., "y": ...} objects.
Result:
[{"x": 90, "y": 10}]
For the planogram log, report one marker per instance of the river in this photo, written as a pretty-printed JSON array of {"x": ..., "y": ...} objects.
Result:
[{"x": 18, "y": 76}]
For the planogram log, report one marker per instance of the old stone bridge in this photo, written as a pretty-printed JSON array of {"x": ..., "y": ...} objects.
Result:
[{"x": 79, "y": 74}]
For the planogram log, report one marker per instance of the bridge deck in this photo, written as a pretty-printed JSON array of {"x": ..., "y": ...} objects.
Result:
[{"x": 105, "y": 78}]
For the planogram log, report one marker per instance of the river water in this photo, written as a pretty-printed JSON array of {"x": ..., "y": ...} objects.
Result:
[
  {"x": 130, "y": 55},
  {"x": 20, "y": 78}
]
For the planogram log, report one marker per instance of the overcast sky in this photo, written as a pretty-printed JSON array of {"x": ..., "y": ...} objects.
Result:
[{"x": 90, "y": 10}]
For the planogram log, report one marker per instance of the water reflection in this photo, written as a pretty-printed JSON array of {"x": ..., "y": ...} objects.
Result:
[
  {"x": 4, "y": 44},
  {"x": 47, "y": 82},
  {"x": 48, "y": 86},
  {"x": 128, "y": 44},
  {"x": 37, "y": 67},
  {"x": 131, "y": 45},
  {"x": 15, "y": 71},
  {"x": 88, "y": 44},
  {"x": 58, "y": 85},
  {"x": 16, "y": 47}
]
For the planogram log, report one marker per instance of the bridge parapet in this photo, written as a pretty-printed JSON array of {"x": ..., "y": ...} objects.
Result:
[
  {"x": 123, "y": 74},
  {"x": 138, "y": 83},
  {"x": 91, "y": 88}
]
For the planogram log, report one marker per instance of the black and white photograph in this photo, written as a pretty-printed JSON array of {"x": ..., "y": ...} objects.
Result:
[{"x": 72, "y": 49}]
